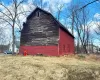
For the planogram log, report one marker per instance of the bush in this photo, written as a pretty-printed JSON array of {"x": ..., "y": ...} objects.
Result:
[
  {"x": 81, "y": 56},
  {"x": 93, "y": 57}
]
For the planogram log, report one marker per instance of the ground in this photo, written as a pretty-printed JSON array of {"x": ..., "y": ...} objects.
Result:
[{"x": 48, "y": 68}]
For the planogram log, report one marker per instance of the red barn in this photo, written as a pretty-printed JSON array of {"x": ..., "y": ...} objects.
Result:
[{"x": 42, "y": 33}]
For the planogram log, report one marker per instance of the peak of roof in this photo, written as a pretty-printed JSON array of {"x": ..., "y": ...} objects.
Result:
[{"x": 61, "y": 26}]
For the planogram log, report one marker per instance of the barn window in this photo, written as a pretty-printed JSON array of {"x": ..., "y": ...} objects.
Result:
[{"x": 38, "y": 14}]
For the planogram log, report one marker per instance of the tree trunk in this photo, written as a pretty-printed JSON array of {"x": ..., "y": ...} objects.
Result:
[
  {"x": 13, "y": 40},
  {"x": 72, "y": 23}
]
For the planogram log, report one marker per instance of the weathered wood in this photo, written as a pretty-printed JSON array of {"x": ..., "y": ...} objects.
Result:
[{"x": 40, "y": 30}]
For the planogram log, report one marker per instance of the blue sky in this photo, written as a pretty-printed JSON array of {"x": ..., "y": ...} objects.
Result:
[{"x": 94, "y": 9}]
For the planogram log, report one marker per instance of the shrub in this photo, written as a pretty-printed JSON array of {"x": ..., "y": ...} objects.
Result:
[
  {"x": 93, "y": 57},
  {"x": 81, "y": 56}
]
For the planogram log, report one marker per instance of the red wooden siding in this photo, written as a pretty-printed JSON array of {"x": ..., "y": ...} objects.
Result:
[
  {"x": 66, "y": 46},
  {"x": 46, "y": 50},
  {"x": 66, "y": 43}
]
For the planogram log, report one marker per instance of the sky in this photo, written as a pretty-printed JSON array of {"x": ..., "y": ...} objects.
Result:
[
  {"x": 93, "y": 8},
  {"x": 94, "y": 11}
]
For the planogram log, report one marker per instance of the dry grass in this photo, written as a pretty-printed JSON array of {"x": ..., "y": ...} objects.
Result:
[{"x": 48, "y": 68}]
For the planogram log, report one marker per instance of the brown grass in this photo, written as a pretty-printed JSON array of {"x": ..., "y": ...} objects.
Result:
[{"x": 70, "y": 67}]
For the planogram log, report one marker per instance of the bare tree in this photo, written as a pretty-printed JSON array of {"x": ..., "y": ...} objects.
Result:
[
  {"x": 72, "y": 10},
  {"x": 38, "y": 3},
  {"x": 79, "y": 17},
  {"x": 59, "y": 10},
  {"x": 83, "y": 28},
  {"x": 97, "y": 30},
  {"x": 3, "y": 37},
  {"x": 41, "y": 2},
  {"x": 88, "y": 4},
  {"x": 10, "y": 17}
]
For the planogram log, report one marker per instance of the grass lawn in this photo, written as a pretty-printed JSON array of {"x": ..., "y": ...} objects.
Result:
[{"x": 48, "y": 68}]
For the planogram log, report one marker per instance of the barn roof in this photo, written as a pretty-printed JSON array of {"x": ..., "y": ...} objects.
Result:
[{"x": 61, "y": 26}]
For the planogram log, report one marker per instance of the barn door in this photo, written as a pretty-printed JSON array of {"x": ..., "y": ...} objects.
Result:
[
  {"x": 68, "y": 48},
  {"x": 64, "y": 49}
]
